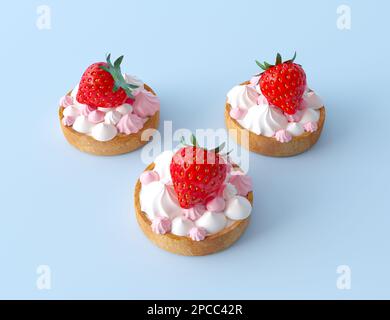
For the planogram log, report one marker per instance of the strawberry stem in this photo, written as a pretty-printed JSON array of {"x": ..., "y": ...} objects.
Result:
[
  {"x": 116, "y": 73},
  {"x": 265, "y": 66},
  {"x": 194, "y": 143}
]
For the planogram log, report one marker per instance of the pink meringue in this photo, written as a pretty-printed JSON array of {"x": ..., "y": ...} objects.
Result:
[
  {"x": 194, "y": 213},
  {"x": 242, "y": 182},
  {"x": 238, "y": 113},
  {"x": 66, "y": 101},
  {"x": 149, "y": 177},
  {"x": 283, "y": 136},
  {"x": 96, "y": 116},
  {"x": 197, "y": 234},
  {"x": 68, "y": 121},
  {"x": 161, "y": 225},
  {"x": 311, "y": 126},
  {"x": 146, "y": 104},
  {"x": 216, "y": 205},
  {"x": 130, "y": 123},
  {"x": 85, "y": 110}
]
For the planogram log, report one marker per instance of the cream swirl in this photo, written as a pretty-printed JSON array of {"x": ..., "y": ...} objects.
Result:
[
  {"x": 146, "y": 104},
  {"x": 197, "y": 234},
  {"x": 130, "y": 123},
  {"x": 112, "y": 117},
  {"x": 242, "y": 97},
  {"x": 161, "y": 225},
  {"x": 158, "y": 199},
  {"x": 241, "y": 182},
  {"x": 195, "y": 212},
  {"x": 264, "y": 119}
]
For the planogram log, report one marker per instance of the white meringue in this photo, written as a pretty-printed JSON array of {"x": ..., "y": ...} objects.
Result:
[
  {"x": 71, "y": 111},
  {"x": 181, "y": 226},
  {"x": 112, "y": 117},
  {"x": 82, "y": 125},
  {"x": 238, "y": 208},
  {"x": 295, "y": 129},
  {"x": 104, "y": 132},
  {"x": 212, "y": 222},
  {"x": 310, "y": 115}
]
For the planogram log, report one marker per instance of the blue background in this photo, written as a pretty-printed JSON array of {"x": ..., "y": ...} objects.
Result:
[{"x": 314, "y": 212}]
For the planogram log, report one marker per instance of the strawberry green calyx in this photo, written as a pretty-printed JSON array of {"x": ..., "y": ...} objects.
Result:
[
  {"x": 119, "y": 81},
  {"x": 265, "y": 66},
  {"x": 194, "y": 143}
]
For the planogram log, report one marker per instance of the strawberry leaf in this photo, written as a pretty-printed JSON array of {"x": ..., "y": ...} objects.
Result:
[
  {"x": 116, "y": 73},
  {"x": 118, "y": 62},
  {"x": 260, "y": 65},
  {"x": 293, "y": 58},
  {"x": 278, "y": 59},
  {"x": 218, "y": 149},
  {"x": 267, "y": 65}
]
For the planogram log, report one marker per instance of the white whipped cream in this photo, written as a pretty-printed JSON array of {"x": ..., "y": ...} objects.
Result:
[
  {"x": 265, "y": 119},
  {"x": 242, "y": 97},
  {"x": 295, "y": 129},
  {"x": 159, "y": 199},
  {"x": 162, "y": 166}
]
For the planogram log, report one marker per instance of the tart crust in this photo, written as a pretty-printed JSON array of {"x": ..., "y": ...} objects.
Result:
[
  {"x": 184, "y": 245},
  {"x": 119, "y": 145},
  {"x": 269, "y": 146}
]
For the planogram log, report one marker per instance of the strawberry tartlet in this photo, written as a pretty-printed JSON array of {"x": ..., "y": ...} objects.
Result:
[
  {"x": 107, "y": 112},
  {"x": 193, "y": 201},
  {"x": 275, "y": 113}
]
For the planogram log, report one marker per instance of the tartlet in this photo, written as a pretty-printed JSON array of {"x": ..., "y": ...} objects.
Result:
[
  {"x": 114, "y": 124},
  {"x": 282, "y": 130},
  {"x": 186, "y": 229}
]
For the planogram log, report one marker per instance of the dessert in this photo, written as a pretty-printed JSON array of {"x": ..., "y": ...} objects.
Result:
[
  {"x": 275, "y": 113},
  {"x": 193, "y": 201},
  {"x": 107, "y": 112}
]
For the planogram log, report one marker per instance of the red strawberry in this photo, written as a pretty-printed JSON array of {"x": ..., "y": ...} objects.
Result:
[
  {"x": 102, "y": 85},
  {"x": 283, "y": 84},
  {"x": 197, "y": 174}
]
